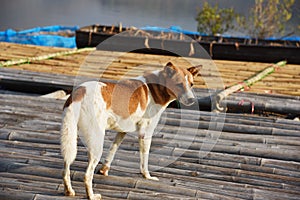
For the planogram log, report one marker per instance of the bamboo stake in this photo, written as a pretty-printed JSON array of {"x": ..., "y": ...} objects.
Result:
[
  {"x": 44, "y": 57},
  {"x": 246, "y": 83}
]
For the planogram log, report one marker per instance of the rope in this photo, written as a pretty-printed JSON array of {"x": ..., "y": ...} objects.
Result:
[{"x": 241, "y": 103}]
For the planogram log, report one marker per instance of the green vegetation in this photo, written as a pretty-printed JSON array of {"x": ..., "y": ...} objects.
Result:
[
  {"x": 213, "y": 20},
  {"x": 266, "y": 18}
]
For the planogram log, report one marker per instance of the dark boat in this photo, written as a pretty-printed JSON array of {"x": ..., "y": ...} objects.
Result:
[{"x": 175, "y": 43}]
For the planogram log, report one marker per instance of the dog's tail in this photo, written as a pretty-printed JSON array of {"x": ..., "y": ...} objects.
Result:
[{"x": 69, "y": 132}]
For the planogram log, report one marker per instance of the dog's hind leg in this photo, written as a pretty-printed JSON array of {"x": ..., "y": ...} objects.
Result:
[
  {"x": 88, "y": 178},
  {"x": 67, "y": 180},
  {"x": 69, "y": 143},
  {"x": 112, "y": 151},
  {"x": 94, "y": 144}
]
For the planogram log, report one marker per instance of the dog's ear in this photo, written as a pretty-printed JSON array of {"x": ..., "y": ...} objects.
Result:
[
  {"x": 170, "y": 69},
  {"x": 195, "y": 70}
]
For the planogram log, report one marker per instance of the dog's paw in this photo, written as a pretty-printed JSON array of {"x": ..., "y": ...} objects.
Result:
[
  {"x": 70, "y": 193},
  {"x": 96, "y": 197},
  {"x": 149, "y": 177},
  {"x": 104, "y": 170},
  {"x": 153, "y": 178}
]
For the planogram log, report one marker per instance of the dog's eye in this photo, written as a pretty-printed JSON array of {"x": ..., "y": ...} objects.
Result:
[{"x": 192, "y": 84}]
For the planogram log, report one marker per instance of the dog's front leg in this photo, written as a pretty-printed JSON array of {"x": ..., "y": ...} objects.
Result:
[
  {"x": 114, "y": 147},
  {"x": 145, "y": 143}
]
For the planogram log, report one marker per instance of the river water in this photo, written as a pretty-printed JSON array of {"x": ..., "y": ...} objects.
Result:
[{"x": 24, "y": 14}]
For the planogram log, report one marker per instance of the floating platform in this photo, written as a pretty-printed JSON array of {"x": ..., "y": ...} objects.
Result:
[
  {"x": 175, "y": 43},
  {"x": 253, "y": 157}
]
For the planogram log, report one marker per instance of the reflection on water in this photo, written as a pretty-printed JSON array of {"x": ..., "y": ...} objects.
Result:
[{"x": 21, "y": 14}]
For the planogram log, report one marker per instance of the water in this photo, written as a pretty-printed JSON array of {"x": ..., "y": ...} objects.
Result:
[{"x": 24, "y": 14}]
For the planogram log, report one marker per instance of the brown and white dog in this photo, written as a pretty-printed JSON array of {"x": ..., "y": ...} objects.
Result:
[{"x": 127, "y": 106}]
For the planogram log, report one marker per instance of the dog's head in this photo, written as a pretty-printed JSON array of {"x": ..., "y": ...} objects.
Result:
[{"x": 179, "y": 82}]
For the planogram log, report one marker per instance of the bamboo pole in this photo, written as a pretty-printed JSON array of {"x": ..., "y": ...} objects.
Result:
[
  {"x": 229, "y": 119},
  {"x": 244, "y": 102},
  {"x": 128, "y": 146},
  {"x": 13, "y": 194},
  {"x": 173, "y": 175},
  {"x": 187, "y": 166},
  {"x": 246, "y": 83},
  {"x": 232, "y": 121},
  {"x": 44, "y": 57},
  {"x": 274, "y": 104}
]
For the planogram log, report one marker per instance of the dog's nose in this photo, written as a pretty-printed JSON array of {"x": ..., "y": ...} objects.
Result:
[{"x": 188, "y": 102}]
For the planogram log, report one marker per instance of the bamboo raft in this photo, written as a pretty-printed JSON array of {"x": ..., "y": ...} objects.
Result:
[
  {"x": 252, "y": 158},
  {"x": 166, "y": 42}
]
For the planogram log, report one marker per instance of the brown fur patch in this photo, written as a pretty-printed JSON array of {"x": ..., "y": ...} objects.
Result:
[
  {"x": 158, "y": 91},
  {"x": 125, "y": 96},
  {"x": 75, "y": 96},
  {"x": 169, "y": 84}
]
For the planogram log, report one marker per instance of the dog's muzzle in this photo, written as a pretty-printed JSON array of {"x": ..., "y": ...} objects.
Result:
[{"x": 187, "y": 101}]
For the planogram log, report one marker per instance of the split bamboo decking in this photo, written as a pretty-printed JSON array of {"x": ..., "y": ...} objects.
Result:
[
  {"x": 216, "y": 73},
  {"x": 252, "y": 158}
]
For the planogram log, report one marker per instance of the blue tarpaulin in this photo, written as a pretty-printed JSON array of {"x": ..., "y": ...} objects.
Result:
[
  {"x": 32, "y": 36},
  {"x": 174, "y": 29}
]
